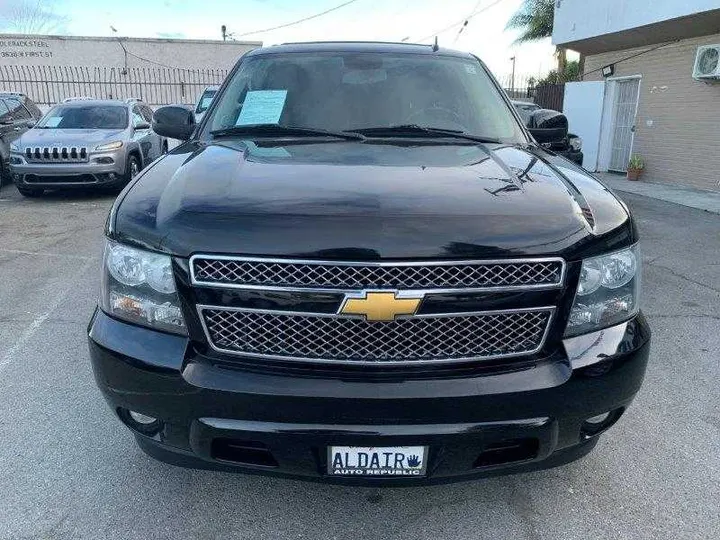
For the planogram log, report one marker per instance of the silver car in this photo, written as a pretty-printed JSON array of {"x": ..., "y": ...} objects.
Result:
[
  {"x": 84, "y": 143},
  {"x": 204, "y": 101}
]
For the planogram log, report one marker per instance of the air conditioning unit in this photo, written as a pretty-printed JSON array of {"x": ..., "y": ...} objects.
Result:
[{"x": 707, "y": 63}]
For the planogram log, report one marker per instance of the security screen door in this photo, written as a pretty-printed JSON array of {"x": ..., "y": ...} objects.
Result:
[{"x": 624, "y": 109}]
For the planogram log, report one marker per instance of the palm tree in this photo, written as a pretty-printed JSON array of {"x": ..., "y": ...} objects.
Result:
[{"x": 535, "y": 19}]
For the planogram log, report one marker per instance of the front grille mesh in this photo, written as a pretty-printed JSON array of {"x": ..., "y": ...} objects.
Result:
[
  {"x": 359, "y": 276},
  {"x": 345, "y": 339}
]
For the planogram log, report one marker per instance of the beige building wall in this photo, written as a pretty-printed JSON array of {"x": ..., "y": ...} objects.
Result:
[
  {"x": 678, "y": 118},
  {"x": 29, "y": 50}
]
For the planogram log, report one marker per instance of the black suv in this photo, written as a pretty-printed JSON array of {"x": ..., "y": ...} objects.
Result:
[
  {"x": 361, "y": 267},
  {"x": 17, "y": 114},
  {"x": 567, "y": 145}
]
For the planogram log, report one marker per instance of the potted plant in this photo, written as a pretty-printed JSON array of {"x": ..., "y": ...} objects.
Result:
[{"x": 635, "y": 167}]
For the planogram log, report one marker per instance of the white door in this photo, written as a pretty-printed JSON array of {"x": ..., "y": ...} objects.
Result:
[
  {"x": 583, "y": 106},
  {"x": 625, "y": 103}
]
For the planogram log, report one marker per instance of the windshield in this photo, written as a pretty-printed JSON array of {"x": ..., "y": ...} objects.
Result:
[
  {"x": 86, "y": 117},
  {"x": 351, "y": 91},
  {"x": 205, "y": 100}
]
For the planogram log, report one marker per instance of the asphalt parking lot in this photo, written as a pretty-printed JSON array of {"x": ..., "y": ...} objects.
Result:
[{"x": 69, "y": 469}]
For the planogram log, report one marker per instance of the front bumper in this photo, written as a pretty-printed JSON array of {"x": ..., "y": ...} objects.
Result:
[
  {"x": 55, "y": 175},
  {"x": 472, "y": 425}
]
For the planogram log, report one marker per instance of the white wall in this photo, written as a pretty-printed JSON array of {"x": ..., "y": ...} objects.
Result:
[
  {"x": 583, "y": 106},
  {"x": 582, "y": 19}
]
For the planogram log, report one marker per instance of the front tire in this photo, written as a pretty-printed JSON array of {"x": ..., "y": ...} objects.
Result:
[
  {"x": 4, "y": 173},
  {"x": 132, "y": 167}
]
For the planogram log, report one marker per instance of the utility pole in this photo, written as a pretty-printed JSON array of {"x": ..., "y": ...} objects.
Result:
[
  {"x": 512, "y": 79},
  {"x": 125, "y": 69}
]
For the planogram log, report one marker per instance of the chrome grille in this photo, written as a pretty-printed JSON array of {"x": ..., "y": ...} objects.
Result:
[
  {"x": 56, "y": 154},
  {"x": 266, "y": 273},
  {"x": 419, "y": 339}
]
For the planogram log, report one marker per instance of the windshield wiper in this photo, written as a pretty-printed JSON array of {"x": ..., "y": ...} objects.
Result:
[
  {"x": 415, "y": 130},
  {"x": 271, "y": 130}
]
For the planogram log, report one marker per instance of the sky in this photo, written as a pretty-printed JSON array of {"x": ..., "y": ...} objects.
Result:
[{"x": 373, "y": 20}]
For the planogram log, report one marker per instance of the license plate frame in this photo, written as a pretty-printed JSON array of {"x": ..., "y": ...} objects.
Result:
[{"x": 377, "y": 461}]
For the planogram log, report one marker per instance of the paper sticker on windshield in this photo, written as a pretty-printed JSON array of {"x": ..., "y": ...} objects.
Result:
[
  {"x": 53, "y": 121},
  {"x": 262, "y": 107},
  {"x": 470, "y": 69}
]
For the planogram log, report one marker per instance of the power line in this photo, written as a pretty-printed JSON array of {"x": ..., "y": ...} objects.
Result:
[
  {"x": 462, "y": 21},
  {"x": 298, "y": 21},
  {"x": 189, "y": 70},
  {"x": 582, "y": 75},
  {"x": 457, "y": 36}
]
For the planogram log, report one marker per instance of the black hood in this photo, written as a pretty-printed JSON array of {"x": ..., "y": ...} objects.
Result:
[{"x": 366, "y": 201}]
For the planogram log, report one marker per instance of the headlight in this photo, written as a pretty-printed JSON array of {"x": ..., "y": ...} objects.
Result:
[
  {"x": 576, "y": 143},
  {"x": 14, "y": 147},
  {"x": 608, "y": 292},
  {"x": 109, "y": 146},
  {"x": 138, "y": 286}
]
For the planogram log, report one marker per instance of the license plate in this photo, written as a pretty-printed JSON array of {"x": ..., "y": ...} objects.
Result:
[{"x": 377, "y": 461}]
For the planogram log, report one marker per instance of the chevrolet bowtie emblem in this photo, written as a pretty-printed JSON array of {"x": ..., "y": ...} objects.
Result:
[{"x": 380, "y": 306}]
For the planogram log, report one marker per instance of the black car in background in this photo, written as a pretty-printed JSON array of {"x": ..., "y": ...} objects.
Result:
[
  {"x": 569, "y": 146},
  {"x": 17, "y": 114},
  {"x": 361, "y": 267}
]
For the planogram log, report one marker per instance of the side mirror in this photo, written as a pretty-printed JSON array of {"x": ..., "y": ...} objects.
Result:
[
  {"x": 548, "y": 126},
  {"x": 174, "y": 121}
]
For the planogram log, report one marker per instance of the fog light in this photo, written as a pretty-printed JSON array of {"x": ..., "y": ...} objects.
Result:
[
  {"x": 142, "y": 423},
  {"x": 111, "y": 176},
  {"x": 142, "y": 418},
  {"x": 599, "y": 419},
  {"x": 595, "y": 425}
]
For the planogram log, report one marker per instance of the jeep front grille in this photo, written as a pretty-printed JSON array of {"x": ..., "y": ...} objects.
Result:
[
  {"x": 56, "y": 154},
  {"x": 290, "y": 274},
  {"x": 415, "y": 339}
]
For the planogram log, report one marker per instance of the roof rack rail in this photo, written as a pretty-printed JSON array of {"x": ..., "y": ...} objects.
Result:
[
  {"x": 356, "y": 42},
  {"x": 78, "y": 98}
]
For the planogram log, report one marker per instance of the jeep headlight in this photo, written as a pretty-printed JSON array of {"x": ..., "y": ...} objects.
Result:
[
  {"x": 608, "y": 292},
  {"x": 138, "y": 286},
  {"x": 14, "y": 147},
  {"x": 575, "y": 143},
  {"x": 109, "y": 146}
]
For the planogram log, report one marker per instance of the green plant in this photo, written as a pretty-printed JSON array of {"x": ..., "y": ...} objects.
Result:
[
  {"x": 636, "y": 162},
  {"x": 534, "y": 19}
]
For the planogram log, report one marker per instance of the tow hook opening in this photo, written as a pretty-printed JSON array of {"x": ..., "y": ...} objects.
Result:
[
  {"x": 243, "y": 452},
  {"x": 508, "y": 451}
]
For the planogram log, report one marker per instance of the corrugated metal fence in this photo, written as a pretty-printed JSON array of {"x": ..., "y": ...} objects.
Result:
[
  {"x": 550, "y": 96},
  {"x": 47, "y": 85}
]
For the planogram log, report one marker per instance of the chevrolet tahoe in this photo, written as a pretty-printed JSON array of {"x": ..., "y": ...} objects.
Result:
[{"x": 361, "y": 267}]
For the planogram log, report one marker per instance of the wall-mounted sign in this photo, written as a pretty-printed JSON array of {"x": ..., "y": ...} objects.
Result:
[
  {"x": 25, "y": 48},
  {"x": 609, "y": 70}
]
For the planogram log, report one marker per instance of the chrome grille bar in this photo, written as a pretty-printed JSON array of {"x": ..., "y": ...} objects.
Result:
[
  {"x": 331, "y": 276},
  {"x": 418, "y": 339},
  {"x": 56, "y": 154}
]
